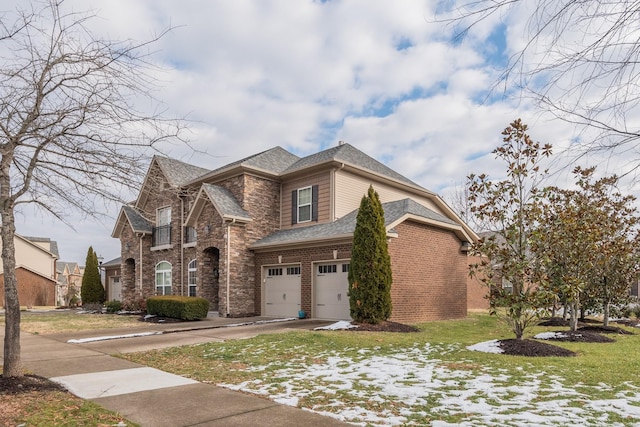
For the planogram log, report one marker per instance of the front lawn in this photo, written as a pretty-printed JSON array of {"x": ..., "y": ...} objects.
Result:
[
  {"x": 54, "y": 321},
  {"x": 425, "y": 378}
]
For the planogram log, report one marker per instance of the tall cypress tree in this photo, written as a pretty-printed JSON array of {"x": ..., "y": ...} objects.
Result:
[
  {"x": 370, "y": 271},
  {"x": 91, "y": 291}
]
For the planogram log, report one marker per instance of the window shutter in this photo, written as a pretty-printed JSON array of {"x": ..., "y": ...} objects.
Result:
[
  {"x": 314, "y": 203},
  {"x": 294, "y": 207}
]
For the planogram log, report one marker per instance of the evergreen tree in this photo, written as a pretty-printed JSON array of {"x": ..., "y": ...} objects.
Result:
[
  {"x": 92, "y": 291},
  {"x": 370, "y": 271}
]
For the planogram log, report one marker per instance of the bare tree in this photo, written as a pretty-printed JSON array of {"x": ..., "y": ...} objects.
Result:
[
  {"x": 70, "y": 134},
  {"x": 580, "y": 59}
]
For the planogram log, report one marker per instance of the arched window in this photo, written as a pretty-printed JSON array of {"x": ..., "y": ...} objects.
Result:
[
  {"x": 163, "y": 278},
  {"x": 191, "y": 277}
]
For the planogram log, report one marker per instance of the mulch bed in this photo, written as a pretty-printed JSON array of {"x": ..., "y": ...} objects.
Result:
[
  {"x": 601, "y": 329},
  {"x": 385, "y": 326},
  {"x": 26, "y": 384},
  {"x": 582, "y": 335},
  {"x": 533, "y": 348}
]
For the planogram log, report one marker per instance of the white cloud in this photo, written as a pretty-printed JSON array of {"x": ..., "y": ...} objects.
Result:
[{"x": 380, "y": 75}]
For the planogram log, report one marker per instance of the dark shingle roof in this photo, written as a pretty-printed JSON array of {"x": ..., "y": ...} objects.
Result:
[
  {"x": 345, "y": 226},
  {"x": 179, "y": 173},
  {"x": 115, "y": 261},
  {"x": 225, "y": 203},
  {"x": 346, "y": 153},
  {"x": 274, "y": 160},
  {"x": 139, "y": 224}
]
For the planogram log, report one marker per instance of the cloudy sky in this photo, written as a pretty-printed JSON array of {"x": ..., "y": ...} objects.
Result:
[{"x": 381, "y": 75}]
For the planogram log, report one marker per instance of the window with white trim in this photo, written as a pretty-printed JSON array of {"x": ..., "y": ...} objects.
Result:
[
  {"x": 292, "y": 271},
  {"x": 304, "y": 204},
  {"x": 192, "y": 270},
  {"x": 163, "y": 216},
  {"x": 163, "y": 278},
  {"x": 274, "y": 272},
  {"x": 326, "y": 269}
]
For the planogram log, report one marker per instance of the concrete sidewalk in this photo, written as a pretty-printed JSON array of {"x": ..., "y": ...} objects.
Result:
[{"x": 152, "y": 397}]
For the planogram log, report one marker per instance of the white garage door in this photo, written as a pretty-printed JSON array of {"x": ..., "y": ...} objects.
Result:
[
  {"x": 282, "y": 290},
  {"x": 331, "y": 287}
]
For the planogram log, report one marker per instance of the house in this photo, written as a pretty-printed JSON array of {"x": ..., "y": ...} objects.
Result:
[
  {"x": 112, "y": 284},
  {"x": 69, "y": 275},
  {"x": 271, "y": 234},
  {"x": 35, "y": 271}
]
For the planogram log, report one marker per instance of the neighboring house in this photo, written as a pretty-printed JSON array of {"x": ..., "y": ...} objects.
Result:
[
  {"x": 69, "y": 278},
  {"x": 271, "y": 234},
  {"x": 112, "y": 283},
  {"x": 35, "y": 271}
]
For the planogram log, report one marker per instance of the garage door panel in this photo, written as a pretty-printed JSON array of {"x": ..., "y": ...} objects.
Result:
[
  {"x": 331, "y": 291},
  {"x": 282, "y": 291}
]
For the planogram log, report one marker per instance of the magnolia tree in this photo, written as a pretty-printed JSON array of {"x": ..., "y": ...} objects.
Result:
[
  {"x": 70, "y": 134},
  {"x": 586, "y": 243},
  {"x": 510, "y": 207}
]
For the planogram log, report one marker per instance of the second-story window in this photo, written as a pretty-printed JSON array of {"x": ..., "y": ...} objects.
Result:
[
  {"x": 304, "y": 204},
  {"x": 162, "y": 230}
]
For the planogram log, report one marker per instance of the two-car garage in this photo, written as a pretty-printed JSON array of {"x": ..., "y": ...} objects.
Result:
[{"x": 329, "y": 295}]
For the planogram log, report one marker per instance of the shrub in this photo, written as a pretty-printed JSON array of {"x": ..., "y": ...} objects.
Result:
[
  {"x": 92, "y": 291},
  {"x": 636, "y": 311},
  {"x": 136, "y": 304},
  {"x": 178, "y": 307},
  {"x": 113, "y": 306}
]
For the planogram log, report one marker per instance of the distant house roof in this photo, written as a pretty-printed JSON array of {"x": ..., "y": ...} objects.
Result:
[
  {"x": 53, "y": 245},
  {"x": 112, "y": 263},
  {"x": 60, "y": 265},
  {"x": 394, "y": 213}
]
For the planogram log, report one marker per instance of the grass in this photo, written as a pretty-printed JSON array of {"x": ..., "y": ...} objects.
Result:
[
  {"x": 70, "y": 321},
  {"x": 55, "y": 408},
  {"x": 282, "y": 365}
]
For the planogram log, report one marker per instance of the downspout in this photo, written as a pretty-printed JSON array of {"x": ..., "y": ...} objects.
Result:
[
  {"x": 181, "y": 245},
  {"x": 229, "y": 262},
  {"x": 140, "y": 245}
]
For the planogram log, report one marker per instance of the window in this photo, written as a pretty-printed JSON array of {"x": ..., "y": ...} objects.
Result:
[
  {"x": 191, "y": 277},
  {"x": 345, "y": 268},
  {"x": 163, "y": 278},
  {"x": 304, "y": 205},
  {"x": 507, "y": 286},
  {"x": 293, "y": 271},
  {"x": 325, "y": 269},
  {"x": 274, "y": 272},
  {"x": 163, "y": 216},
  {"x": 162, "y": 231}
]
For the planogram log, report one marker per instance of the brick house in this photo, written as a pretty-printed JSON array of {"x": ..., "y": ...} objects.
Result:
[
  {"x": 35, "y": 271},
  {"x": 271, "y": 234}
]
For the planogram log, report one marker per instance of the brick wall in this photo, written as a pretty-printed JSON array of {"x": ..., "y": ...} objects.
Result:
[
  {"x": 304, "y": 256},
  {"x": 33, "y": 289},
  {"x": 429, "y": 274},
  {"x": 476, "y": 291}
]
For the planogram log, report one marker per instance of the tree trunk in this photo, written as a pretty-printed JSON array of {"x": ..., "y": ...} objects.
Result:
[
  {"x": 565, "y": 306},
  {"x": 607, "y": 310},
  {"x": 573, "y": 321},
  {"x": 11, "y": 365}
]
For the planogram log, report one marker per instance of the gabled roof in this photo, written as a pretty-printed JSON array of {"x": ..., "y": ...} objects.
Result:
[
  {"x": 347, "y": 153},
  {"x": 223, "y": 201},
  {"x": 53, "y": 245},
  {"x": 111, "y": 263},
  {"x": 71, "y": 266},
  {"x": 343, "y": 228},
  {"x": 178, "y": 173},
  {"x": 273, "y": 161},
  {"x": 138, "y": 223}
]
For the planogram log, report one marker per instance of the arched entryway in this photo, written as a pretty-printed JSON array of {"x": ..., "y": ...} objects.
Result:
[{"x": 209, "y": 276}]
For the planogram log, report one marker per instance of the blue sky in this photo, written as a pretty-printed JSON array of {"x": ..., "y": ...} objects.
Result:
[{"x": 380, "y": 75}]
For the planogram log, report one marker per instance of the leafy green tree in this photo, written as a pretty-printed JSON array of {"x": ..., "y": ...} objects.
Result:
[
  {"x": 586, "y": 243},
  {"x": 92, "y": 291},
  {"x": 510, "y": 207},
  {"x": 370, "y": 271}
]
